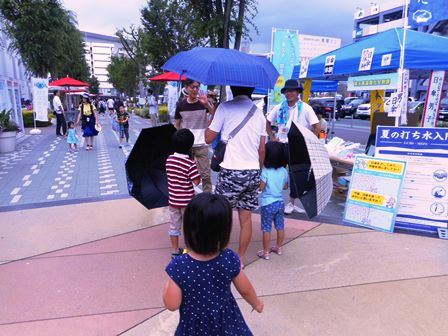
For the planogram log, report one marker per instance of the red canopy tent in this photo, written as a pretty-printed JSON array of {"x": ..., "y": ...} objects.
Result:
[
  {"x": 167, "y": 77},
  {"x": 68, "y": 81}
]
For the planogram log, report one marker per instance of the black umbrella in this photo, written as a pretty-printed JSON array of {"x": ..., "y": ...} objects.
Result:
[
  {"x": 310, "y": 170},
  {"x": 145, "y": 166}
]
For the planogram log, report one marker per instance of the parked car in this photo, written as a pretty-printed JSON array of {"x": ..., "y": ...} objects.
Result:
[
  {"x": 443, "y": 111},
  {"x": 416, "y": 106},
  {"x": 350, "y": 108},
  {"x": 363, "y": 111},
  {"x": 325, "y": 105}
]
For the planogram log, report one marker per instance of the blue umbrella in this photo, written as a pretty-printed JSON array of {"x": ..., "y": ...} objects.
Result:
[{"x": 217, "y": 66}]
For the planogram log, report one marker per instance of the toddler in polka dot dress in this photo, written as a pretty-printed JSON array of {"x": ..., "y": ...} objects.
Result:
[
  {"x": 274, "y": 179},
  {"x": 199, "y": 282}
]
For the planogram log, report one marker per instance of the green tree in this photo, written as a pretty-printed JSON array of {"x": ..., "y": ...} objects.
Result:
[
  {"x": 169, "y": 27},
  {"x": 94, "y": 85},
  {"x": 123, "y": 74},
  {"x": 44, "y": 33}
]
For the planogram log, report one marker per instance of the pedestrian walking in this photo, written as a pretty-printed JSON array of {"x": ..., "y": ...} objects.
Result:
[
  {"x": 192, "y": 113},
  {"x": 182, "y": 174},
  {"x": 199, "y": 283},
  {"x": 122, "y": 119},
  {"x": 239, "y": 176},
  {"x": 110, "y": 106},
  {"x": 72, "y": 138},
  {"x": 274, "y": 179},
  {"x": 60, "y": 115},
  {"x": 283, "y": 115},
  {"x": 153, "y": 108},
  {"x": 102, "y": 107},
  {"x": 89, "y": 119}
]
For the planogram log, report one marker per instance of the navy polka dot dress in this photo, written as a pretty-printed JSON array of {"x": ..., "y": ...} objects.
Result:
[{"x": 208, "y": 306}]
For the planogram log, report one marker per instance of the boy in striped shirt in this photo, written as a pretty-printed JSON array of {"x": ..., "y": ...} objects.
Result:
[{"x": 182, "y": 173}]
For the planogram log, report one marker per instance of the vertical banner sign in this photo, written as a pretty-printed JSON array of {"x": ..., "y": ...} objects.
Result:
[
  {"x": 329, "y": 64},
  {"x": 172, "y": 98},
  {"x": 423, "y": 205},
  {"x": 432, "y": 104},
  {"x": 374, "y": 192},
  {"x": 5, "y": 102},
  {"x": 285, "y": 55},
  {"x": 366, "y": 59},
  {"x": 404, "y": 80},
  {"x": 40, "y": 98},
  {"x": 304, "y": 68},
  {"x": 427, "y": 12},
  {"x": 394, "y": 104},
  {"x": 376, "y": 101}
]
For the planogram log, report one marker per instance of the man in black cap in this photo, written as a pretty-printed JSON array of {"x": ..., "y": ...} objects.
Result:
[{"x": 283, "y": 115}]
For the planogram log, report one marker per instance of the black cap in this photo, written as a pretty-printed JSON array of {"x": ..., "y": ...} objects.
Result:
[{"x": 292, "y": 84}]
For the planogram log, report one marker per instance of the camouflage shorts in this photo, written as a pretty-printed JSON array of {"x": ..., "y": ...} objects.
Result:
[{"x": 240, "y": 187}]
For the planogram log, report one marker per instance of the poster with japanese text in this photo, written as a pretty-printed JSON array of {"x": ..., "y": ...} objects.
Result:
[
  {"x": 423, "y": 204},
  {"x": 366, "y": 59},
  {"x": 40, "y": 98},
  {"x": 431, "y": 110},
  {"x": 374, "y": 192}
]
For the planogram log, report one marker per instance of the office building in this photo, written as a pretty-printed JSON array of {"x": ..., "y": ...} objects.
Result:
[{"x": 311, "y": 46}]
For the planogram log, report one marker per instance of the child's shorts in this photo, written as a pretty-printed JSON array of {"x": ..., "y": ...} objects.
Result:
[
  {"x": 273, "y": 212},
  {"x": 176, "y": 216}
]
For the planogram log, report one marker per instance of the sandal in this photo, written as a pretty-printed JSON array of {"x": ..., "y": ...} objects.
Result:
[
  {"x": 277, "y": 250},
  {"x": 264, "y": 255}
]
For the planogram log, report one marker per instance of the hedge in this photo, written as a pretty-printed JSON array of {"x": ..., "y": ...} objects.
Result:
[{"x": 28, "y": 119}]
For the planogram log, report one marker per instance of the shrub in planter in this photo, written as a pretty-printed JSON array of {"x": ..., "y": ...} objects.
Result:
[
  {"x": 8, "y": 132},
  {"x": 142, "y": 112}
]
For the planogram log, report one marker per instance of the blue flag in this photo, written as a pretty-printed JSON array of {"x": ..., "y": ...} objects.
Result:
[{"x": 426, "y": 12}]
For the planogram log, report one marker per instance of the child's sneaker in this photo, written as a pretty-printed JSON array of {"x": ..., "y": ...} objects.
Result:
[
  {"x": 277, "y": 250},
  {"x": 179, "y": 252},
  {"x": 263, "y": 255}
]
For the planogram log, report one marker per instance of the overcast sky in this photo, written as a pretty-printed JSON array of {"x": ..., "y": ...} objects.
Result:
[{"x": 319, "y": 17}]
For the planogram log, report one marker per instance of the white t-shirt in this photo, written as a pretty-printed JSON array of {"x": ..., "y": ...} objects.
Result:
[
  {"x": 110, "y": 103},
  {"x": 153, "y": 107},
  {"x": 57, "y": 105},
  {"x": 306, "y": 118},
  {"x": 242, "y": 150}
]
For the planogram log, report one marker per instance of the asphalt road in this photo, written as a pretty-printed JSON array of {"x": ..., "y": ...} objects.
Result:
[{"x": 354, "y": 130}]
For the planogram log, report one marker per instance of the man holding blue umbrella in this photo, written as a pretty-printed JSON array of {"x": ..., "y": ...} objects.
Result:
[{"x": 239, "y": 175}]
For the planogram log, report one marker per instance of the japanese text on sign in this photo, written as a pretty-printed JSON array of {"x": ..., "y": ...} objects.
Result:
[
  {"x": 366, "y": 59},
  {"x": 366, "y": 197},
  {"x": 433, "y": 99}
]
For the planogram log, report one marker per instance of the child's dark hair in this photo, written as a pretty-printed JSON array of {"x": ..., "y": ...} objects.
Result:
[
  {"x": 183, "y": 140},
  {"x": 70, "y": 123},
  {"x": 207, "y": 223},
  {"x": 275, "y": 155}
]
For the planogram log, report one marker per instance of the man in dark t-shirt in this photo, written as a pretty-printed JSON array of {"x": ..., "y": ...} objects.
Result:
[{"x": 192, "y": 113}]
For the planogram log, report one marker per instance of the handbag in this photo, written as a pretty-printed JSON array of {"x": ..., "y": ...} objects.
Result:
[{"x": 220, "y": 149}]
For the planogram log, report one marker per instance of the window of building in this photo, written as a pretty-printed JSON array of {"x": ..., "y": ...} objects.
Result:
[
  {"x": 369, "y": 22},
  {"x": 393, "y": 16}
]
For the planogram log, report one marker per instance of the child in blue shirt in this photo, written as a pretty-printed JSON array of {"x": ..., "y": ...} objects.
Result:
[{"x": 274, "y": 179}]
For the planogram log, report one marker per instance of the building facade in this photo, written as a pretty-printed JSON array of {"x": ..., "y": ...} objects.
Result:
[
  {"x": 311, "y": 46},
  {"x": 99, "y": 50},
  {"x": 15, "y": 85},
  {"x": 384, "y": 15}
]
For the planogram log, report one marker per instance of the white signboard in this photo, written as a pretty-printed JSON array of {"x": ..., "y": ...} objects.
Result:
[
  {"x": 394, "y": 104},
  {"x": 434, "y": 96},
  {"x": 366, "y": 59},
  {"x": 386, "y": 60},
  {"x": 304, "y": 68},
  {"x": 40, "y": 98},
  {"x": 423, "y": 204},
  {"x": 329, "y": 64}
]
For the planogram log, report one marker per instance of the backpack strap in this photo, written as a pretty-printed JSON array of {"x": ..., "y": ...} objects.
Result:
[{"x": 244, "y": 122}]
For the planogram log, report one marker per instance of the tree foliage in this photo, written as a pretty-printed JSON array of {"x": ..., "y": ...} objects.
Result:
[
  {"x": 44, "y": 33},
  {"x": 94, "y": 87},
  {"x": 123, "y": 74}
]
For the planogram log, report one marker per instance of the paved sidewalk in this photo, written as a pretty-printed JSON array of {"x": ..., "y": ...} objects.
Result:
[
  {"x": 98, "y": 269},
  {"x": 42, "y": 170}
]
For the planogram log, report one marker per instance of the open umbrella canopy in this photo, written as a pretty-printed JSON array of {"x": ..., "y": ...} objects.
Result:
[
  {"x": 145, "y": 166},
  {"x": 310, "y": 169},
  {"x": 218, "y": 66},
  {"x": 167, "y": 77},
  {"x": 68, "y": 81}
]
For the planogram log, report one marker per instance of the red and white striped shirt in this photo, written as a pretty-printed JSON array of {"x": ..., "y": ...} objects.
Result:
[{"x": 181, "y": 171}]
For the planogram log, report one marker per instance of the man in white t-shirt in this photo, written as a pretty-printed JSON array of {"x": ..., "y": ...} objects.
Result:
[
  {"x": 153, "y": 108},
  {"x": 283, "y": 115},
  {"x": 60, "y": 115},
  {"x": 239, "y": 177},
  {"x": 110, "y": 106}
]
